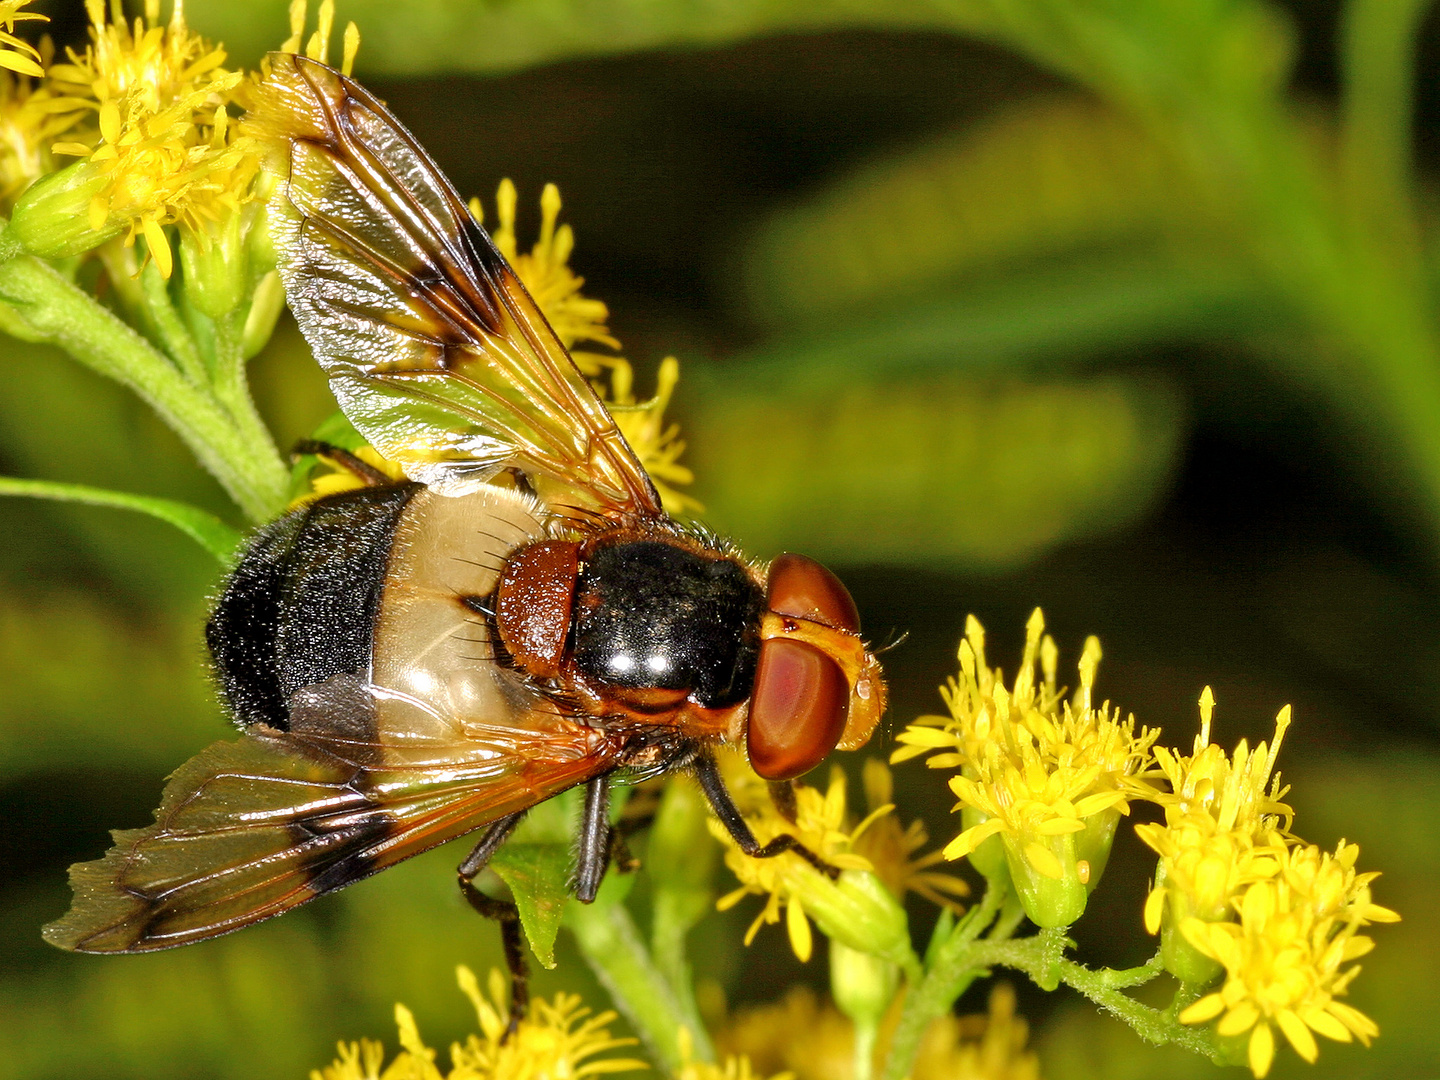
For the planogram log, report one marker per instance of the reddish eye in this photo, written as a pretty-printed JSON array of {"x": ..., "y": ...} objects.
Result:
[
  {"x": 803, "y": 588},
  {"x": 797, "y": 710}
]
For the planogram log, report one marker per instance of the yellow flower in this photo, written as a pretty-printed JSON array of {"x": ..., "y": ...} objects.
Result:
[
  {"x": 546, "y": 274},
  {"x": 29, "y": 124},
  {"x": 556, "y": 1040},
  {"x": 1284, "y": 960},
  {"x": 815, "y": 1041},
  {"x": 856, "y": 909},
  {"x": 161, "y": 149},
  {"x": 734, "y": 1067},
  {"x": 1048, "y": 777},
  {"x": 1225, "y": 828},
  {"x": 17, "y": 54},
  {"x": 890, "y": 849}
]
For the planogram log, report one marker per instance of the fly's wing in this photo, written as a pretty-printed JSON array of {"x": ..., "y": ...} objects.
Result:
[
  {"x": 434, "y": 349},
  {"x": 252, "y": 828}
]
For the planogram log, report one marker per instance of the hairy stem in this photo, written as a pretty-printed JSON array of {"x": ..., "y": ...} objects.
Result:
[
  {"x": 612, "y": 945},
  {"x": 250, "y": 470}
]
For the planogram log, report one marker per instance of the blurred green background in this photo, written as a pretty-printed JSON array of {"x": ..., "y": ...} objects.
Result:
[{"x": 1122, "y": 309}]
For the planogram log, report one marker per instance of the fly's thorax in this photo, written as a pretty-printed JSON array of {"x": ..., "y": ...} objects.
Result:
[{"x": 652, "y": 623}]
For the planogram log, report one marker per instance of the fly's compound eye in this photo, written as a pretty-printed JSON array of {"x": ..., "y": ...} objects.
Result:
[
  {"x": 801, "y": 696},
  {"x": 797, "y": 710}
]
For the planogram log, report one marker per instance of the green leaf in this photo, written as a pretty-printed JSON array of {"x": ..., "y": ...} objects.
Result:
[
  {"x": 219, "y": 539},
  {"x": 1036, "y": 179},
  {"x": 479, "y": 35},
  {"x": 944, "y": 468},
  {"x": 535, "y": 863}
]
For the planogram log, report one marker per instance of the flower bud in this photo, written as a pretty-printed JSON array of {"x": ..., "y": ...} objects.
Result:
[
  {"x": 858, "y": 912},
  {"x": 56, "y": 217},
  {"x": 862, "y": 985},
  {"x": 215, "y": 266},
  {"x": 1055, "y": 874}
]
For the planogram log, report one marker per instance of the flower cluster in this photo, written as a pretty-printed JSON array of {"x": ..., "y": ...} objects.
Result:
[
  {"x": 813, "y": 1040},
  {"x": 1245, "y": 909},
  {"x": 1238, "y": 897},
  {"x": 1043, "y": 780},
  {"x": 557, "y": 1038}
]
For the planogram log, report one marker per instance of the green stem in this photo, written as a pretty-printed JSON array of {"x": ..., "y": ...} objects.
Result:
[
  {"x": 612, "y": 946},
  {"x": 171, "y": 333},
  {"x": 219, "y": 539},
  {"x": 1377, "y": 46},
  {"x": 252, "y": 473},
  {"x": 1034, "y": 957},
  {"x": 232, "y": 384},
  {"x": 950, "y": 975}
]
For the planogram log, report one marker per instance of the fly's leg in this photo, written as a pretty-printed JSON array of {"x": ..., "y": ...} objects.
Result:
[
  {"x": 361, "y": 470},
  {"x": 508, "y": 916},
  {"x": 489, "y": 843},
  {"x": 729, "y": 814},
  {"x": 595, "y": 840},
  {"x": 503, "y": 912}
]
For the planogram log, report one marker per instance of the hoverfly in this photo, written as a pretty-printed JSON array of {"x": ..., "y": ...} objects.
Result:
[{"x": 413, "y": 661}]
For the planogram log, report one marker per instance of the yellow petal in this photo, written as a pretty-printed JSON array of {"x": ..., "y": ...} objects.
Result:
[
  {"x": 1298, "y": 1035},
  {"x": 1044, "y": 861},
  {"x": 799, "y": 929},
  {"x": 1327, "y": 1025},
  {"x": 1262, "y": 1049},
  {"x": 159, "y": 246},
  {"x": 23, "y": 64},
  {"x": 1060, "y": 826},
  {"x": 1154, "y": 908},
  {"x": 1207, "y": 1008},
  {"x": 1238, "y": 1019}
]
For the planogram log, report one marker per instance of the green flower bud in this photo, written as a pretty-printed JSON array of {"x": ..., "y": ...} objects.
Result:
[
  {"x": 266, "y": 305},
  {"x": 1182, "y": 959},
  {"x": 862, "y": 985},
  {"x": 216, "y": 266},
  {"x": 52, "y": 218},
  {"x": 859, "y": 912}
]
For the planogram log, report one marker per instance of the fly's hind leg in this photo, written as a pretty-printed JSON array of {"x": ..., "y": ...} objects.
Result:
[
  {"x": 503, "y": 912},
  {"x": 508, "y": 916},
  {"x": 729, "y": 814}
]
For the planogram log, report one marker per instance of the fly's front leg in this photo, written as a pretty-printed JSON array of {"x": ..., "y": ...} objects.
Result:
[
  {"x": 593, "y": 855},
  {"x": 729, "y": 814}
]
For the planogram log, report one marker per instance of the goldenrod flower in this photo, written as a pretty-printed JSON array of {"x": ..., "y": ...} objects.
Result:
[
  {"x": 29, "y": 124},
  {"x": 575, "y": 318},
  {"x": 856, "y": 909},
  {"x": 1048, "y": 777},
  {"x": 815, "y": 1041},
  {"x": 161, "y": 149},
  {"x": 733, "y": 1067},
  {"x": 555, "y": 1041},
  {"x": 891, "y": 849},
  {"x": 1285, "y": 958},
  {"x": 17, "y": 54},
  {"x": 1225, "y": 828}
]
